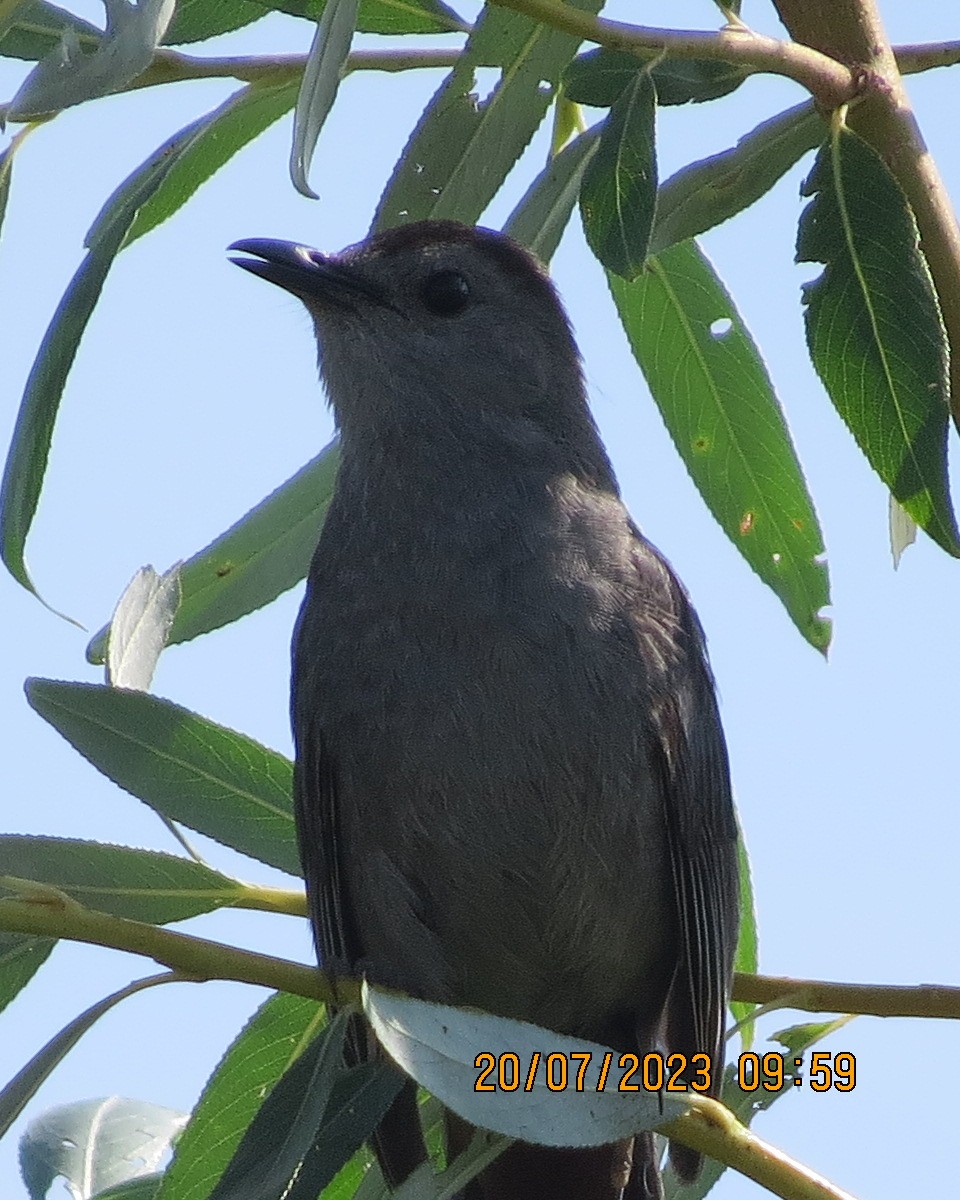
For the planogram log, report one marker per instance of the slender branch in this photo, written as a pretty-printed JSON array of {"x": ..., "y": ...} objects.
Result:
[
  {"x": 830, "y": 82},
  {"x": 852, "y": 30},
  {"x": 288, "y": 901},
  {"x": 197, "y": 958},
  {"x": 712, "y": 1129},
  {"x": 170, "y": 66},
  {"x": 912, "y": 59},
  {"x": 874, "y": 1000}
]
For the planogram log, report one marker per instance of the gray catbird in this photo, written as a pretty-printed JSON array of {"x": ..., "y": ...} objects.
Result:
[{"x": 511, "y": 781}]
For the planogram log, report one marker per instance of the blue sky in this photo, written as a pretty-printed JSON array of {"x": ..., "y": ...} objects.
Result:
[{"x": 195, "y": 393}]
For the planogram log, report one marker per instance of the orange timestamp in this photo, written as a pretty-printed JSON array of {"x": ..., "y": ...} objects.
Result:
[
  {"x": 652, "y": 1072},
  {"x": 774, "y": 1070}
]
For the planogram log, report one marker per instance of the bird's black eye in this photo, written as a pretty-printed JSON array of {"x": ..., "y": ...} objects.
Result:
[{"x": 445, "y": 293}]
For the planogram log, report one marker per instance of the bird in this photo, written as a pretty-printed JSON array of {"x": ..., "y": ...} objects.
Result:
[{"x": 511, "y": 782}]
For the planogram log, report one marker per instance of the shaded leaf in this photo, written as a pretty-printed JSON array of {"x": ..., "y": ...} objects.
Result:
[
  {"x": 600, "y": 76},
  {"x": 21, "y": 956},
  {"x": 68, "y": 76},
  {"x": 274, "y": 1036},
  {"x": 15, "y": 1095},
  {"x": 384, "y": 16},
  {"x": 188, "y": 769},
  {"x": 541, "y": 216},
  {"x": 269, "y": 1161},
  {"x": 197, "y": 20},
  {"x": 874, "y": 328},
  {"x": 318, "y": 88},
  {"x": 439, "y": 1046},
  {"x": 208, "y": 145},
  {"x": 705, "y": 193},
  {"x": 462, "y": 148},
  {"x": 144, "y": 1188},
  {"x": 718, "y": 404},
  {"x": 263, "y": 554},
  {"x": 141, "y": 885},
  {"x": 37, "y": 29},
  {"x": 747, "y": 958},
  {"x": 619, "y": 191},
  {"x": 95, "y": 1144},
  {"x": 140, "y": 626},
  {"x": 6, "y": 171},
  {"x": 30, "y": 446}
]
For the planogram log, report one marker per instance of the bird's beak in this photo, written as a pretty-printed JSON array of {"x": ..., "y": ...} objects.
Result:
[{"x": 305, "y": 272}]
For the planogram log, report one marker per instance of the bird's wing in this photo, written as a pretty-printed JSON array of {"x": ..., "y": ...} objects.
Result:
[
  {"x": 691, "y": 758},
  {"x": 315, "y": 814}
]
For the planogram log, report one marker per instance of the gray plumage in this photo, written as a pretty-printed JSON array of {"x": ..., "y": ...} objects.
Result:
[{"x": 511, "y": 782}]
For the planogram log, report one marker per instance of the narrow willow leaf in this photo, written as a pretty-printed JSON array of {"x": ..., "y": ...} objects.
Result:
[
  {"x": 197, "y": 20},
  {"x": 318, "y": 88},
  {"x": 6, "y": 172},
  {"x": 263, "y": 554},
  {"x": 140, "y": 627},
  {"x": 21, "y": 1089},
  {"x": 21, "y": 956},
  {"x": 209, "y": 144},
  {"x": 705, "y": 193},
  {"x": 141, "y": 885},
  {"x": 67, "y": 76},
  {"x": 874, "y": 328},
  {"x": 710, "y": 384},
  {"x": 438, "y": 1045},
  {"x": 599, "y": 78},
  {"x": 747, "y": 958},
  {"x": 903, "y": 531},
  {"x": 30, "y": 445},
  {"x": 144, "y": 1188},
  {"x": 271, "y": 1152},
  {"x": 619, "y": 192},
  {"x": 37, "y": 29},
  {"x": 96, "y": 1144},
  {"x": 384, "y": 16},
  {"x": 274, "y": 1036},
  {"x": 461, "y": 150},
  {"x": 540, "y": 218},
  {"x": 188, "y": 769}
]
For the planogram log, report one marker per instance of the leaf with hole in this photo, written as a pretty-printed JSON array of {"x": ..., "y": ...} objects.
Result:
[{"x": 711, "y": 387}]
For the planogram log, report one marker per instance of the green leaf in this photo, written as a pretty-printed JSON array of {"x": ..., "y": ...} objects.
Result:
[
  {"x": 197, "y": 20},
  {"x": 144, "y": 1188},
  {"x": 21, "y": 956},
  {"x": 36, "y": 30},
  {"x": 273, "y": 1037},
  {"x": 95, "y": 1144},
  {"x": 718, "y": 404},
  {"x": 319, "y": 85},
  {"x": 461, "y": 150},
  {"x": 438, "y": 1045},
  {"x": 188, "y": 769},
  {"x": 30, "y": 445},
  {"x": 619, "y": 191},
  {"x": 21, "y": 1089},
  {"x": 874, "y": 328},
  {"x": 141, "y": 885},
  {"x": 208, "y": 145},
  {"x": 705, "y": 193},
  {"x": 540, "y": 218},
  {"x": 746, "y": 960},
  {"x": 599, "y": 78},
  {"x": 263, "y": 554},
  {"x": 384, "y": 16},
  {"x": 6, "y": 171}
]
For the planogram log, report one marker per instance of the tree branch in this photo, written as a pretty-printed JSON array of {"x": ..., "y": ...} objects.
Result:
[
  {"x": 830, "y": 82},
  {"x": 865, "y": 999},
  {"x": 711, "y": 1128}
]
